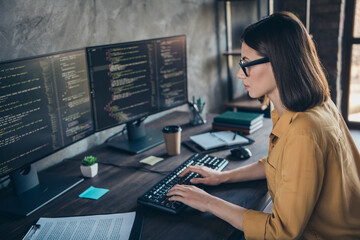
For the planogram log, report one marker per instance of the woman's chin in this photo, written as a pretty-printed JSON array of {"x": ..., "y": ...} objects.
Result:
[{"x": 252, "y": 95}]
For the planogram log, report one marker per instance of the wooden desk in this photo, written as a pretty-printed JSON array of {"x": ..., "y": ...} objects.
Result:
[{"x": 127, "y": 184}]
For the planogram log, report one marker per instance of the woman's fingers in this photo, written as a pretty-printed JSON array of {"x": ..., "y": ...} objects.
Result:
[
  {"x": 179, "y": 190},
  {"x": 189, "y": 195},
  {"x": 208, "y": 176},
  {"x": 196, "y": 169},
  {"x": 199, "y": 180}
]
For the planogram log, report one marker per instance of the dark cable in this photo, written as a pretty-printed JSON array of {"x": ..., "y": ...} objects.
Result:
[
  {"x": 4, "y": 180},
  {"x": 137, "y": 168},
  {"x": 141, "y": 168},
  {"x": 116, "y": 134}
]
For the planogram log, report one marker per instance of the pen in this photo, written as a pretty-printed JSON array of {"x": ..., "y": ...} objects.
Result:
[
  {"x": 234, "y": 135},
  {"x": 196, "y": 112},
  {"x": 31, "y": 231},
  {"x": 202, "y": 107}
]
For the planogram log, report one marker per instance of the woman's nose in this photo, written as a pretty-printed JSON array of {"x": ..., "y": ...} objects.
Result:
[{"x": 240, "y": 74}]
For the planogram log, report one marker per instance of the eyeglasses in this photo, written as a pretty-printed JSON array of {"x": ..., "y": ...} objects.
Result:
[{"x": 252, "y": 63}]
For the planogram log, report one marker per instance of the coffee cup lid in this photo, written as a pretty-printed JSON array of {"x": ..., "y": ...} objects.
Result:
[{"x": 171, "y": 129}]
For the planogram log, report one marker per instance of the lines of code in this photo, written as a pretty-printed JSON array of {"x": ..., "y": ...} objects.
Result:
[
  {"x": 172, "y": 69},
  {"x": 44, "y": 105},
  {"x": 127, "y": 73},
  {"x": 132, "y": 80}
]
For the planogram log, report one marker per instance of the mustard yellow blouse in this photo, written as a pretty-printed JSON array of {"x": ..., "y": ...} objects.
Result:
[{"x": 313, "y": 176}]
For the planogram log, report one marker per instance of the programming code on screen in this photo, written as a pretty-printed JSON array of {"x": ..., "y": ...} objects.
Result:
[
  {"x": 44, "y": 106},
  {"x": 134, "y": 80}
]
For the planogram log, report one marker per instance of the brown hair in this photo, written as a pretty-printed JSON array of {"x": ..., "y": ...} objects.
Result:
[{"x": 297, "y": 69}]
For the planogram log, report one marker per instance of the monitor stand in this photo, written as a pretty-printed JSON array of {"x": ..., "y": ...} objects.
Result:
[
  {"x": 33, "y": 191},
  {"x": 138, "y": 138}
]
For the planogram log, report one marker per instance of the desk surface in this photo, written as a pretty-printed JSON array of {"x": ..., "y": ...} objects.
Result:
[{"x": 127, "y": 184}]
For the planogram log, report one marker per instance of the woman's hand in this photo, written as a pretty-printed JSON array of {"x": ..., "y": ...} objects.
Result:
[
  {"x": 209, "y": 176},
  {"x": 191, "y": 196},
  {"x": 199, "y": 199}
]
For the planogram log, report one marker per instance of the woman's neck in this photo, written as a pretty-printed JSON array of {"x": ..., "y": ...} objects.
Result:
[{"x": 278, "y": 105}]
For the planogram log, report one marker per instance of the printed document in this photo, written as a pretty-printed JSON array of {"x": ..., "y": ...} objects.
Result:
[{"x": 109, "y": 226}]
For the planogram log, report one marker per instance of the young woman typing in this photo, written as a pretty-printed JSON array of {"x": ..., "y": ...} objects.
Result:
[{"x": 313, "y": 166}]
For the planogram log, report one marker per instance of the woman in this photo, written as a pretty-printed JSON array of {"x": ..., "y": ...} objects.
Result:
[{"x": 313, "y": 166}]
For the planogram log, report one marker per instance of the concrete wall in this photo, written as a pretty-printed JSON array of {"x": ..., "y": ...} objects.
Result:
[
  {"x": 30, "y": 28},
  {"x": 326, "y": 28}
]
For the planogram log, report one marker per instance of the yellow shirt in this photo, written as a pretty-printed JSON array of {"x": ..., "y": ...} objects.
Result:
[{"x": 313, "y": 176}]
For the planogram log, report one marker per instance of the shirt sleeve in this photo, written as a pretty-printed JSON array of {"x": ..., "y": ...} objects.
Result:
[
  {"x": 252, "y": 230},
  {"x": 298, "y": 184}
]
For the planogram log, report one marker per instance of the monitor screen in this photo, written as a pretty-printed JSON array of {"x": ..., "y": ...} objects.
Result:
[
  {"x": 44, "y": 106},
  {"x": 132, "y": 80}
]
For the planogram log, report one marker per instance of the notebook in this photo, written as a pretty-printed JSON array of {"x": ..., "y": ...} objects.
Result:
[{"x": 211, "y": 140}]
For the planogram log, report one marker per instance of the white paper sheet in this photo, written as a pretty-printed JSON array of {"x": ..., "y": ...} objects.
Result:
[{"x": 110, "y": 226}]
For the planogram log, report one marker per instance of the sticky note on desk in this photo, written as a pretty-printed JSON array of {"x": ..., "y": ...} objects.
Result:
[
  {"x": 151, "y": 160},
  {"x": 93, "y": 193}
]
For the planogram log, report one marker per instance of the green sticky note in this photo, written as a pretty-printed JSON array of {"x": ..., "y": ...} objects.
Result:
[{"x": 93, "y": 193}]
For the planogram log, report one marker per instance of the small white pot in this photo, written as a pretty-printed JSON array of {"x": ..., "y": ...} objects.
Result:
[{"x": 89, "y": 171}]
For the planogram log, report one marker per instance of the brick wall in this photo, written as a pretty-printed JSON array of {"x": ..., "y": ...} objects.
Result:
[{"x": 324, "y": 26}]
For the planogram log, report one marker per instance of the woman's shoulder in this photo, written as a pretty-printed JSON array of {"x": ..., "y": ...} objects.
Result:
[{"x": 316, "y": 120}]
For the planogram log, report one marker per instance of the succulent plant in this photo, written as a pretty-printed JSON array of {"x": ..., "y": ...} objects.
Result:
[{"x": 89, "y": 160}]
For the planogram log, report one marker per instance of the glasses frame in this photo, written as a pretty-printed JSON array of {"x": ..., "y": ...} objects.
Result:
[{"x": 252, "y": 63}]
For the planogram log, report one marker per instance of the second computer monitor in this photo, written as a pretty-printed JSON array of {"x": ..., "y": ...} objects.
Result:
[{"x": 132, "y": 80}]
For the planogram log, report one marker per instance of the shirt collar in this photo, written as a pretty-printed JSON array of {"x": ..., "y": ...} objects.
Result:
[{"x": 280, "y": 124}]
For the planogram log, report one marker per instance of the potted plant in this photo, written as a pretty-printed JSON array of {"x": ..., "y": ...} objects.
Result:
[{"x": 89, "y": 166}]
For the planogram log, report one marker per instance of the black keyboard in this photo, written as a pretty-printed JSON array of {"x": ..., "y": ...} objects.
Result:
[{"x": 156, "y": 195}]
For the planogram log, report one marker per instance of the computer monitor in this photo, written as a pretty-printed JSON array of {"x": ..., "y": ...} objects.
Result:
[
  {"x": 44, "y": 106},
  {"x": 132, "y": 80}
]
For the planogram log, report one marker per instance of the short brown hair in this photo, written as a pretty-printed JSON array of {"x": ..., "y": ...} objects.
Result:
[{"x": 298, "y": 72}]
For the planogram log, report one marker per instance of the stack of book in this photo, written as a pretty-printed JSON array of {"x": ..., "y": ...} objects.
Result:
[{"x": 245, "y": 122}]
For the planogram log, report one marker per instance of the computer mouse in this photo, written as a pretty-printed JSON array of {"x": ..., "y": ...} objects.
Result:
[{"x": 241, "y": 153}]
